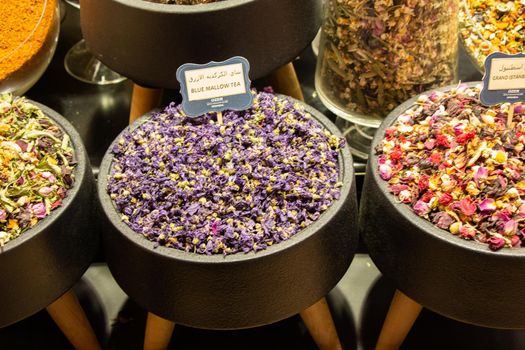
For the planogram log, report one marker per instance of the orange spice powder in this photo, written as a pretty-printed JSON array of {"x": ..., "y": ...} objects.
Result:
[{"x": 24, "y": 26}]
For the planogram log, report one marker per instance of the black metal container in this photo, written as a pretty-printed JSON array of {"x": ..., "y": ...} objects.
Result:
[
  {"x": 147, "y": 42},
  {"x": 457, "y": 278},
  {"x": 44, "y": 262},
  {"x": 239, "y": 290}
]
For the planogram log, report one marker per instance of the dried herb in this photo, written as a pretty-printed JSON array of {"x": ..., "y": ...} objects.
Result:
[
  {"x": 377, "y": 54},
  {"x": 489, "y": 26},
  {"x": 36, "y": 166},
  {"x": 258, "y": 179},
  {"x": 470, "y": 179}
]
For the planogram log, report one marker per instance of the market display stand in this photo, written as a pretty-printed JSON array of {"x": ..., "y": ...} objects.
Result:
[
  {"x": 317, "y": 318},
  {"x": 460, "y": 279},
  {"x": 40, "y": 267}
]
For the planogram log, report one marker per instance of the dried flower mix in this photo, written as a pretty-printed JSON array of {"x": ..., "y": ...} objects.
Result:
[
  {"x": 195, "y": 185},
  {"x": 36, "y": 166},
  {"x": 489, "y": 26},
  {"x": 377, "y": 54},
  {"x": 460, "y": 165}
]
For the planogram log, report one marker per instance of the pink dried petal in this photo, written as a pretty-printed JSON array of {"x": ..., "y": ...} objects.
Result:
[
  {"x": 421, "y": 208},
  {"x": 487, "y": 204},
  {"x": 430, "y": 144},
  {"x": 385, "y": 171},
  {"x": 397, "y": 188},
  {"x": 519, "y": 109},
  {"x": 515, "y": 241},
  {"x": 481, "y": 174},
  {"x": 496, "y": 243},
  {"x": 435, "y": 95},
  {"x": 467, "y": 232},
  {"x": 467, "y": 207},
  {"x": 445, "y": 199},
  {"x": 510, "y": 227}
]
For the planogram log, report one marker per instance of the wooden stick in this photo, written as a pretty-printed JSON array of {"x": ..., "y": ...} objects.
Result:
[
  {"x": 284, "y": 81},
  {"x": 143, "y": 100},
  {"x": 72, "y": 321},
  {"x": 400, "y": 318},
  {"x": 158, "y": 332},
  {"x": 320, "y": 324}
]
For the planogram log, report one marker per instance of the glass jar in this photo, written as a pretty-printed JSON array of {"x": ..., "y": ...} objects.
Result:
[
  {"x": 28, "y": 38},
  {"x": 374, "y": 55}
]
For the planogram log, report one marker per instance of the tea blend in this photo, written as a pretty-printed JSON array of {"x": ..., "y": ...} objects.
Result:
[
  {"x": 376, "y": 54},
  {"x": 36, "y": 166},
  {"x": 460, "y": 165},
  {"x": 23, "y": 31},
  {"x": 489, "y": 26},
  {"x": 256, "y": 180},
  {"x": 183, "y": 2}
]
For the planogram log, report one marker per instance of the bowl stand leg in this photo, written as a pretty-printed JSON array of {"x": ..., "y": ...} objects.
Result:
[
  {"x": 400, "y": 318},
  {"x": 158, "y": 332},
  {"x": 72, "y": 321},
  {"x": 284, "y": 81},
  {"x": 319, "y": 322},
  {"x": 143, "y": 100},
  {"x": 317, "y": 318}
]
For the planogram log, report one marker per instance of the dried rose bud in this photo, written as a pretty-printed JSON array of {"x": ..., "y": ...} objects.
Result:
[
  {"x": 3, "y": 214},
  {"x": 385, "y": 171},
  {"x": 442, "y": 220},
  {"x": 421, "y": 208},
  {"x": 445, "y": 199},
  {"x": 39, "y": 209},
  {"x": 496, "y": 243},
  {"x": 467, "y": 232}
]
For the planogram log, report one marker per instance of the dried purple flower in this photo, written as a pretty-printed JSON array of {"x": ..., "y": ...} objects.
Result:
[{"x": 256, "y": 180}]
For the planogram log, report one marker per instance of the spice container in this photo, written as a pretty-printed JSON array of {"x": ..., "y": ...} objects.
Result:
[
  {"x": 28, "y": 38},
  {"x": 248, "y": 253},
  {"x": 489, "y": 26},
  {"x": 444, "y": 176},
  {"x": 46, "y": 229},
  {"x": 376, "y": 54}
]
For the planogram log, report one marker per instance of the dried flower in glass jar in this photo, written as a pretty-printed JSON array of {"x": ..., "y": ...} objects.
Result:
[
  {"x": 460, "y": 165},
  {"x": 489, "y": 26},
  {"x": 255, "y": 180},
  {"x": 36, "y": 166},
  {"x": 376, "y": 54}
]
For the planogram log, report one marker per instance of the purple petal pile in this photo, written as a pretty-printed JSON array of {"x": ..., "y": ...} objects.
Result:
[{"x": 258, "y": 179}]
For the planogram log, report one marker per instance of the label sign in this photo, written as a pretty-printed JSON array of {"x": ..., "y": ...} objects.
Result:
[
  {"x": 504, "y": 79},
  {"x": 215, "y": 86}
]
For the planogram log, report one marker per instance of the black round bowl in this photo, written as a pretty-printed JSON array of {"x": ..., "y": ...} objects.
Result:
[
  {"x": 147, "y": 42},
  {"x": 239, "y": 290},
  {"x": 454, "y": 277},
  {"x": 44, "y": 262}
]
